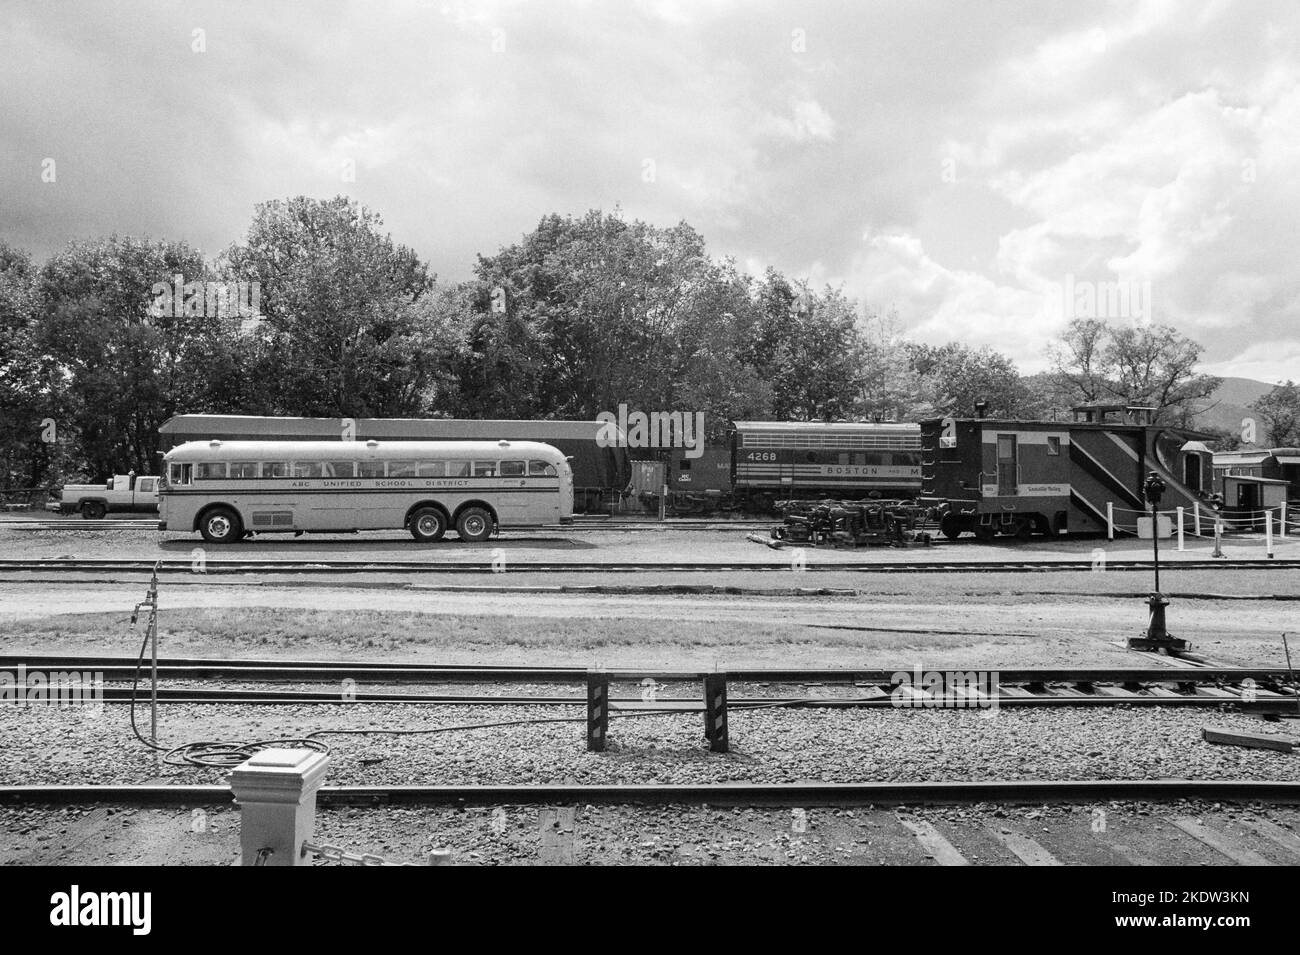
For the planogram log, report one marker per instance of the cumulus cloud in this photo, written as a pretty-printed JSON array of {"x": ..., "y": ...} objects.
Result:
[{"x": 951, "y": 160}]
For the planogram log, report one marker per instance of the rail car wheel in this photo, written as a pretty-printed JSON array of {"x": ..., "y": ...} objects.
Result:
[
  {"x": 221, "y": 526},
  {"x": 474, "y": 524},
  {"x": 93, "y": 510},
  {"x": 951, "y": 525},
  {"x": 428, "y": 525}
]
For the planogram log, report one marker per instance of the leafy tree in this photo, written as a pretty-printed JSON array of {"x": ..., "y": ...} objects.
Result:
[
  {"x": 345, "y": 329},
  {"x": 29, "y": 385},
  {"x": 1280, "y": 411},
  {"x": 122, "y": 368},
  {"x": 1096, "y": 362},
  {"x": 585, "y": 314},
  {"x": 955, "y": 377}
]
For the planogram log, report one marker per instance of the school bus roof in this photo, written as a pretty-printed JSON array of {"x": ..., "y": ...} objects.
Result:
[{"x": 217, "y": 450}]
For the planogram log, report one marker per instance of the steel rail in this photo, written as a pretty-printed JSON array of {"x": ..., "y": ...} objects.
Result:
[
  {"x": 213, "y": 566},
  {"x": 324, "y": 670},
  {"x": 959, "y": 792},
  {"x": 1261, "y": 703}
]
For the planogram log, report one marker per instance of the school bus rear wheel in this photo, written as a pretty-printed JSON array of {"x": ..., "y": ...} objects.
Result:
[{"x": 474, "y": 524}]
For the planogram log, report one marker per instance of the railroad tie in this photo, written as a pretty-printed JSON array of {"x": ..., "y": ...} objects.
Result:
[
  {"x": 1220, "y": 842},
  {"x": 1023, "y": 848},
  {"x": 933, "y": 842}
]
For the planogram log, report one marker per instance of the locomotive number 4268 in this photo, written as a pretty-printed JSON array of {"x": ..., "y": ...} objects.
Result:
[{"x": 761, "y": 456}]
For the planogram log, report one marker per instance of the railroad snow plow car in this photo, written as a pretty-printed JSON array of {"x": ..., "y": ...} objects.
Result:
[{"x": 1021, "y": 478}]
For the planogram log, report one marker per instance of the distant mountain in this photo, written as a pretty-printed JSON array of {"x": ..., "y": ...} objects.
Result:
[{"x": 1231, "y": 403}]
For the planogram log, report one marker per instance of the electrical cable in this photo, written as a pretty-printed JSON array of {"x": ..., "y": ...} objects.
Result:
[{"x": 227, "y": 754}]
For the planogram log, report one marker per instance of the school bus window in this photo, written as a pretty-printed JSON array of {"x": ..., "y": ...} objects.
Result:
[
  {"x": 429, "y": 469},
  {"x": 541, "y": 469},
  {"x": 404, "y": 469},
  {"x": 180, "y": 474},
  {"x": 485, "y": 469},
  {"x": 210, "y": 471},
  {"x": 307, "y": 469},
  {"x": 371, "y": 469},
  {"x": 513, "y": 469},
  {"x": 457, "y": 469},
  {"x": 243, "y": 470},
  {"x": 275, "y": 469},
  {"x": 340, "y": 469}
]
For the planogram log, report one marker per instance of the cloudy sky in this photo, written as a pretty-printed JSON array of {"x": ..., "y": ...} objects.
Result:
[{"x": 965, "y": 163}]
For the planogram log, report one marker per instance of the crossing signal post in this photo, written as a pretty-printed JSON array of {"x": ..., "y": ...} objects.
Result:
[{"x": 1157, "y": 636}]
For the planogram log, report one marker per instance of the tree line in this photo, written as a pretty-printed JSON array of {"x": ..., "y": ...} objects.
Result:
[{"x": 318, "y": 312}]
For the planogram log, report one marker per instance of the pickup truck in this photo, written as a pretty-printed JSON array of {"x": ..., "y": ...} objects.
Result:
[{"x": 125, "y": 492}]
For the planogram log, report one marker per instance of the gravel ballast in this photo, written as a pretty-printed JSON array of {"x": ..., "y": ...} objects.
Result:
[{"x": 47, "y": 745}]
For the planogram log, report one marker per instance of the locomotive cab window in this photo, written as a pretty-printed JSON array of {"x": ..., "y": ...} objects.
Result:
[{"x": 1053, "y": 446}]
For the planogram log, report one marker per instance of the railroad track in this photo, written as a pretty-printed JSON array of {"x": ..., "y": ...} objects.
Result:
[
  {"x": 215, "y": 565},
  {"x": 949, "y": 792},
  {"x": 688, "y": 524},
  {"x": 1251, "y": 689}
]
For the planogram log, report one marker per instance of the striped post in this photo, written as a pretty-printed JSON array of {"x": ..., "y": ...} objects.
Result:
[
  {"x": 1268, "y": 533},
  {"x": 715, "y": 711},
  {"x": 597, "y": 710},
  {"x": 1110, "y": 521},
  {"x": 1180, "y": 529}
]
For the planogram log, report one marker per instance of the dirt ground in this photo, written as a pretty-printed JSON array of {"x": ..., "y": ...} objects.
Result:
[{"x": 1121, "y": 834}]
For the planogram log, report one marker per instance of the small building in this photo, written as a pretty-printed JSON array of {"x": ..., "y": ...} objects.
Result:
[
  {"x": 1248, "y": 500},
  {"x": 1276, "y": 464}
]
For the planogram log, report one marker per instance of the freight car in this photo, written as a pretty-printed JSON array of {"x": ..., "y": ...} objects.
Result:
[
  {"x": 1049, "y": 477},
  {"x": 600, "y": 474}
]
